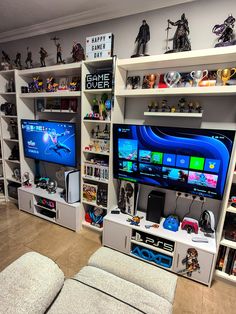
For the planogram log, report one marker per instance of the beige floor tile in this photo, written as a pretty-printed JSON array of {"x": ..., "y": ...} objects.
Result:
[
  {"x": 78, "y": 253},
  {"x": 188, "y": 297},
  {"x": 53, "y": 242}
]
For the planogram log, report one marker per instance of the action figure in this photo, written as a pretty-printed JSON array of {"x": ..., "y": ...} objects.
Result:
[
  {"x": 28, "y": 61},
  {"x": 182, "y": 105},
  {"x": 18, "y": 61},
  {"x": 142, "y": 38},
  {"x": 180, "y": 40},
  {"x": 135, "y": 220},
  {"x": 77, "y": 52},
  {"x": 225, "y": 31},
  {"x": 57, "y": 145},
  {"x": 191, "y": 262},
  {"x": 43, "y": 54},
  {"x": 5, "y": 57},
  {"x": 59, "y": 50},
  {"x": 52, "y": 86}
]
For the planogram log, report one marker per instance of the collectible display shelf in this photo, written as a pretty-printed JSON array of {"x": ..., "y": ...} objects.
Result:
[
  {"x": 174, "y": 114},
  {"x": 7, "y": 143},
  {"x": 211, "y": 59},
  {"x": 62, "y": 94}
]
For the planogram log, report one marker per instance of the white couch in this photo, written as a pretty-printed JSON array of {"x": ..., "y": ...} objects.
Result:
[{"x": 111, "y": 283}]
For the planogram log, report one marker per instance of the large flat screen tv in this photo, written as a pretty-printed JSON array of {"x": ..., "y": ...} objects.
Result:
[
  {"x": 194, "y": 161},
  {"x": 50, "y": 141}
]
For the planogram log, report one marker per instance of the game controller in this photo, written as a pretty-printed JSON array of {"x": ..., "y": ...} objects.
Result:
[
  {"x": 171, "y": 223},
  {"x": 190, "y": 225}
]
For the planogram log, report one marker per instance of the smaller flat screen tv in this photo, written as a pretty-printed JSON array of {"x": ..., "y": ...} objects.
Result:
[
  {"x": 49, "y": 141},
  {"x": 194, "y": 161}
]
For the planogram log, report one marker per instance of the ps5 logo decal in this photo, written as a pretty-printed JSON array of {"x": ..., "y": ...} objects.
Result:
[{"x": 154, "y": 241}]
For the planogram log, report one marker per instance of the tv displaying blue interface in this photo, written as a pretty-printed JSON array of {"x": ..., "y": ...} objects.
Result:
[
  {"x": 49, "y": 141},
  {"x": 194, "y": 161}
]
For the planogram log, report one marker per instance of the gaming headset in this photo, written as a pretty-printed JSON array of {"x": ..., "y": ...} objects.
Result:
[{"x": 207, "y": 221}]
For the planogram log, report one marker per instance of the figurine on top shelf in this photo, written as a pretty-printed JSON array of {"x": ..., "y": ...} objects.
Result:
[
  {"x": 180, "y": 40},
  {"x": 77, "y": 52},
  {"x": 28, "y": 60},
  {"x": 142, "y": 38},
  {"x": 149, "y": 81},
  {"x": 43, "y": 54},
  {"x": 182, "y": 105},
  {"x": 164, "y": 106},
  {"x": 59, "y": 50},
  {"x": 6, "y": 61},
  {"x": 225, "y": 32},
  {"x": 17, "y": 61},
  {"x": 52, "y": 86}
]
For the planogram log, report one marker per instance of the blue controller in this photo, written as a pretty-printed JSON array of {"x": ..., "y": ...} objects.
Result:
[{"x": 171, "y": 223}]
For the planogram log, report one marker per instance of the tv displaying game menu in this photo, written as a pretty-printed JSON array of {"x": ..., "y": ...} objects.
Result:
[
  {"x": 49, "y": 141},
  {"x": 194, "y": 161}
]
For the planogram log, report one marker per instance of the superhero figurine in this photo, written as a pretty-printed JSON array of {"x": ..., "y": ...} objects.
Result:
[
  {"x": 59, "y": 50},
  {"x": 77, "y": 52},
  {"x": 18, "y": 61},
  {"x": 43, "y": 54},
  {"x": 191, "y": 263},
  {"x": 28, "y": 61},
  {"x": 142, "y": 38}
]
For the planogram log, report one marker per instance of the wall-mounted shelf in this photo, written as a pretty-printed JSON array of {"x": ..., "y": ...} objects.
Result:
[
  {"x": 97, "y": 153},
  {"x": 174, "y": 114},
  {"x": 95, "y": 179},
  {"x": 98, "y": 91},
  {"x": 96, "y": 121},
  {"x": 64, "y": 94},
  {"x": 180, "y": 91}
]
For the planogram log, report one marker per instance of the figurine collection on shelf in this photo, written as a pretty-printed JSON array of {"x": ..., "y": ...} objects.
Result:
[
  {"x": 180, "y": 39},
  {"x": 182, "y": 106},
  {"x": 96, "y": 168},
  {"x": 38, "y": 86},
  {"x": 101, "y": 109},
  {"x": 100, "y": 140},
  {"x": 57, "y": 104}
]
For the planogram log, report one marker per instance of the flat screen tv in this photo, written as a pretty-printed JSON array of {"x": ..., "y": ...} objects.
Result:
[
  {"x": 193, "y": 161},
  {"x": 49, "y": 141}
]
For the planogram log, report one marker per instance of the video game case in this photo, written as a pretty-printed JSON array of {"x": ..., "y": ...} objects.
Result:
[
  {"x": 230, "y": 261},
  {"x": 90, "y": 193},
  {"x": 226, "y": 259},
  {"x": 222, "y": 257}
]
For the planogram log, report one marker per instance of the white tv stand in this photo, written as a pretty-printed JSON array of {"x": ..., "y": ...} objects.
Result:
[
  {"x": 66, "y": 215},
  {"x": 120, "y": 235}
]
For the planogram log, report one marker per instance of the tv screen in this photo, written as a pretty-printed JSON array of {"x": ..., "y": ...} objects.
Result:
[
  {"x": 49, "y": 141},
  {"x": 194, "y": 161}
]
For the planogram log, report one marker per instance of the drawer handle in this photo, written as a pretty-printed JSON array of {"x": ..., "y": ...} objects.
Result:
[
  {"x": 125, "y": 241},
  {"x": 178, "y": 260},
  {"x": 30, "y": 204},
  {"x": 57, "y": 214}
]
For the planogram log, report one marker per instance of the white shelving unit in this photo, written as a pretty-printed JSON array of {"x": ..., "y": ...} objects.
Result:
[
  {"x": 91, "y": 67},
  {"x": 210, "y": 59},
  {"x": 28, "y": 101},
  {"x": 7, "y": 135}
]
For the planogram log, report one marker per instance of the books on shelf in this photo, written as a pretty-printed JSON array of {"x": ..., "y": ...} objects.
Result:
[{"x": 226, "y": 261}]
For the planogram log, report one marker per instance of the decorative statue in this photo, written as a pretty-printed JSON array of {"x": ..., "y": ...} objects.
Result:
[
  {"x": 225, "y": 31},
  {"x": 59, "y": 50},
  {"x": 17, "y": 61},
  {"x": 5, "y": 57},
  {"x": 43, "y": 54},
  {"x": 28, "y": 61},
  {"x": 180, "y": 40},
  {"x": 77, "y": 52},
  {"x": 142, "y": 38}
]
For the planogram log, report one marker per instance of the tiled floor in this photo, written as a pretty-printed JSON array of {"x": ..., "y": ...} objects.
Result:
[{"x": 21, "y": 232}]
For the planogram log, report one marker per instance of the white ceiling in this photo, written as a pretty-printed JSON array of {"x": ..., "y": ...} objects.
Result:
[{"x": 26, "y": 18}]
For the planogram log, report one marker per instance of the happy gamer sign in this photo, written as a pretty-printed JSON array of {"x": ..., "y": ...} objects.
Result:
[{"x": 99, "y": 46}]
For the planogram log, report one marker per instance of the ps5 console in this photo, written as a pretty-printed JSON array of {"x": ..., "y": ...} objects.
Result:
[{"x": 72, "y": 186}]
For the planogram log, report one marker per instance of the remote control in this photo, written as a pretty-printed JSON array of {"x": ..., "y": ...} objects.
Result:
[
  {"x": 115, "y": 211},
  {"x": 198, "y": 239}
]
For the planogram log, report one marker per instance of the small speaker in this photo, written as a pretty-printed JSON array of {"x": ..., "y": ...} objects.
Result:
[{"x": 155, "y": 206}]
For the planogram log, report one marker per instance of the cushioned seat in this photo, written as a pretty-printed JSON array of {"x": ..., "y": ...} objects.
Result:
[
  {"x": 151, "y": 278},
  {"x": 96, "y": 291},
  {"x": 30, "y": 284}
]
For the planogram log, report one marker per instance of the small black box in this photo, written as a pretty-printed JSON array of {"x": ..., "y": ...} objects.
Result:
[
  {"x": 12, "y": 189},
  {"x": 155, "y": 206}
]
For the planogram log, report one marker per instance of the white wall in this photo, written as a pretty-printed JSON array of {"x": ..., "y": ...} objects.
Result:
[{"x": 202, "y": 16}]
